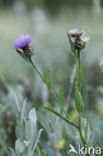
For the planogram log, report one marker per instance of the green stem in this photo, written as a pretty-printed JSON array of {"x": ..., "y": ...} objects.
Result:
[
  {"x": 37, "y": 70},
  {"x": 38, "y": 150},
  {"x": 83, "y": 141},
  {"x": 52, "y": 92},
  {"x": 79, "y": 68},
  {"x": 80, "y": 132},
  {"x": 60, "y": 116}
]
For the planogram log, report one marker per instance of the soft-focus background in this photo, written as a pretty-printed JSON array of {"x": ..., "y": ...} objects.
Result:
[{"x": 48, "y": 22}]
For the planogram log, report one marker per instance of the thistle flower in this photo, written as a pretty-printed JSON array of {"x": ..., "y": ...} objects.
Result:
[
  {"x": 77, "y": 39},
  {"x": 23, "y": 43}
]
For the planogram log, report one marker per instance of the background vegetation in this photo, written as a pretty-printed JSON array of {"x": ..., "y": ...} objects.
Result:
[{"x": 48, "y": 21}]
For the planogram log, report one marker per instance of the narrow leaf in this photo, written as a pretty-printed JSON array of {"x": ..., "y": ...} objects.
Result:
[
  {"x": 78, "y": 99},
  {"x": 23, "y": 111},
  {"x": 32, "y": 116},
  {"x": 37, "y": 139},
  {"x": 48, "y": 79},
  {"x": 31, "y": 125},
  {"x": 72, "y": 47},
  {"x": 60, "y": 116}
]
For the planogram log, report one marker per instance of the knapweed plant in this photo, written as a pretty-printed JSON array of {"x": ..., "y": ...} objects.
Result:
[{"x": 78, "y": 41}]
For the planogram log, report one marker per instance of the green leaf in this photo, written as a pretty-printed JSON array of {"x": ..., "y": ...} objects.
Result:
[
  {"x": 84, "y": 45},
  {"x": 46, "y": 147},
  {"x": 86, "y": 128},
  {"x": 30, "y": 130},
  {"x": 12, "y": 152},
  {"x": 78, "y": 99},
  {"x": 19, "y": 147},
  {"x": 23, "y": 110},
  {"x": 44, "y": 120},
  {"x": 73, "y": 49},
  {"x": 30, "y": 126},
  {"x": 32, "y": 116},
  {"x": 88, "y": 133},
  {"x": 61, "y": 96},
  {"x": 37, "y": 139},
  {"x": 74, "y": 52},
  {"x": 83, "y": 122},
  {"x": 20, "y": 131},
  {"x": 60, "y": 116},
  {"x": 79, "y": 74},
  {"x": 48, "y": 79}
]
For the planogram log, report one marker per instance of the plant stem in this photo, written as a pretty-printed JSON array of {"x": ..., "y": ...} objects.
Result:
[
  {"x": 38, "y": 150},
  {"x": 52, "y": 92},
  {"x": 78, "y": 63},
  {"x": 79, "y": 68},
  {"x": 60, "y": 116},
  {"x": 37, "y": 70},
  {"x": 80, "y": 132},
  {"x": 83, "y": 141}
]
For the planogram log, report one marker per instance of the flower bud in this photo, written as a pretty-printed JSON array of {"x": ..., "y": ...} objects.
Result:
[{"x": 77, "y": 39}]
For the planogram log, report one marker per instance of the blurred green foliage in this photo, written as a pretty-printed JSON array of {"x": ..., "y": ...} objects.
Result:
[
  {"x": 52, "y": 51},
  {"x": 51, "y": 5}
]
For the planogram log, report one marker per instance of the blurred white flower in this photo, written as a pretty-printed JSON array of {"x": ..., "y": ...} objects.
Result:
[{"x": 86, "y": 39}]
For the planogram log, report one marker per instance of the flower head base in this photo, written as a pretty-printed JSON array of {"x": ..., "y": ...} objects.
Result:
[
  {"x": 23, "y": 44},
  {"x": 77, "y": 39}
]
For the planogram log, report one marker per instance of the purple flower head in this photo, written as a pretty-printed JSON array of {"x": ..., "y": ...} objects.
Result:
[
  {"x": 22, "y": 42},
  {"x": 22, "y": 46}
]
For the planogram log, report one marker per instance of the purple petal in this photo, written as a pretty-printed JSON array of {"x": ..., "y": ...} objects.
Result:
[{"x": 22, "y": 41}]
